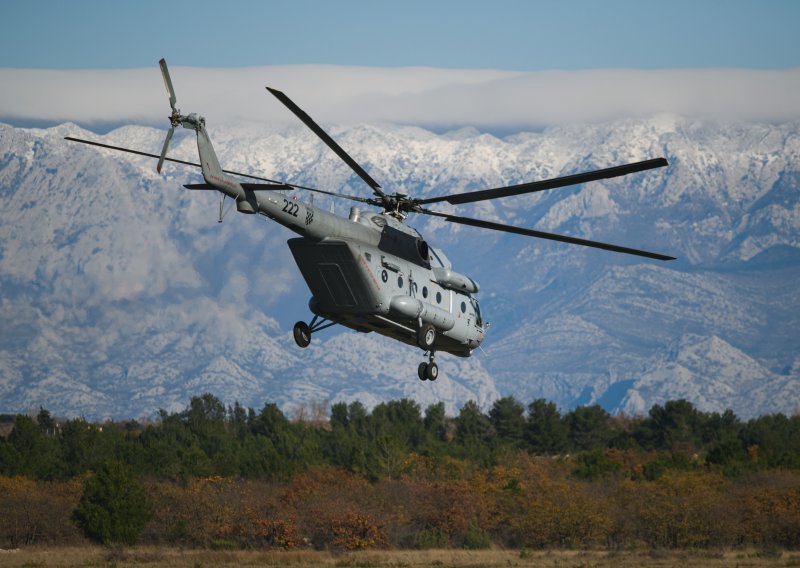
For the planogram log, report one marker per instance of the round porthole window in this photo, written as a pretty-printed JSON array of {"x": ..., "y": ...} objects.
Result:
[
  {"x": 424, "y": 291},
  {"x": 385, "y": 276},
  {"x": 399, "y": 281},
  {"x": 438, "y": 297},
  {"x": 463, "y": 308}
]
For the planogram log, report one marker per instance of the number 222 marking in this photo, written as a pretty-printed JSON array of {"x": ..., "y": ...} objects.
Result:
[{"x": 290, "y": 207}]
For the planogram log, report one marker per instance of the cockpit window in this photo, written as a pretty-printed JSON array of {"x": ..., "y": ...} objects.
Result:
[{"x": 477, "y": 308}]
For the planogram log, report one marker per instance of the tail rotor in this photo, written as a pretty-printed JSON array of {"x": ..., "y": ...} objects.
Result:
[
  {"x": 174, "y": 118},
  {"x": 168, "y": 84}
]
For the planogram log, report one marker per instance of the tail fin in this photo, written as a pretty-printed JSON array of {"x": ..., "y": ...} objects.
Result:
[
  {"x": 208, "y": 157},
  {"x": 213, "y": 174}
]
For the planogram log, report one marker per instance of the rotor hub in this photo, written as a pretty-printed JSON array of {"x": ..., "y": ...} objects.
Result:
[{"x": 398, "y": 205}]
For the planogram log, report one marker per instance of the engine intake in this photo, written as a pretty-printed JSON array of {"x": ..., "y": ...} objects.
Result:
[{"x": 455, "y": 281}]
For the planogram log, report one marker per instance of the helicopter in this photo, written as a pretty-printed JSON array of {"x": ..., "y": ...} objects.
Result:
[{"x": 371, "y": 272}]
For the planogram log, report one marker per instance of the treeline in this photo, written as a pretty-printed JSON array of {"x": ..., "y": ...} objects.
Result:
[
  {"x": 528, "y": 502},
  {"x": 231, "y": 477},
  {"x": 210, "y": 439}
]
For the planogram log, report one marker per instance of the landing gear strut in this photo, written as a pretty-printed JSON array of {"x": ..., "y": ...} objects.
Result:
[
  {"x": 428, "y": 371},
  {"x": 302, "y": 331}
]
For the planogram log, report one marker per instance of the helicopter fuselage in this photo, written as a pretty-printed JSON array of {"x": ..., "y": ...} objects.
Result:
[
  {"x": 383, "y": 277},
  {"x": 369, "y": 272}
]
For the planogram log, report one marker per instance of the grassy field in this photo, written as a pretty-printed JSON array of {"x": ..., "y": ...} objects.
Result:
[{"x": 169, "y": 557}]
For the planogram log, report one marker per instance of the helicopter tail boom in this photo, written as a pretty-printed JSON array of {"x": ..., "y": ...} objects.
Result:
[{"x": 212, "y": 171}]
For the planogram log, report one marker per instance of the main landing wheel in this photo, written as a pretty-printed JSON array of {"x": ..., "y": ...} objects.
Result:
[
  {"x": 426, "y": 336},
  {"x": 428, "y": 371},
  {"x": 431, "y": 371},
  {"x": 302, "y": 334}
]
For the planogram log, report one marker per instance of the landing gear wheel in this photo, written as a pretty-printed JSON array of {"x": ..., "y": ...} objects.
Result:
[
  {"x": 431, "y": 371},
  {"x": 302, "y": 334},
  {"x": 422, "y": 371},
  {"x": 426, "y": 336}
]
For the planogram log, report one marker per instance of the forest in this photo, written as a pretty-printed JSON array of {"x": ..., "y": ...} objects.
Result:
[{"x": 398, "y": 476}]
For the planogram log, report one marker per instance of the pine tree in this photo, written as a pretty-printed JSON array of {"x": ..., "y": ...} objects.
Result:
[
  {"x": 114, "y": 507},
  {"x": 506, "y": 416},
  {"x": 546, "y": 432}
]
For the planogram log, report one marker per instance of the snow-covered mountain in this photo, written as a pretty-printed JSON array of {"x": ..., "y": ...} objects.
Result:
[
  {"x": 121, "y": 294},
  {"x": 712, "y": 374}
]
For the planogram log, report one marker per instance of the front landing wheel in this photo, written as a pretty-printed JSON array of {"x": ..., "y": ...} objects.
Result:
[{"x": 302, "y": 334}]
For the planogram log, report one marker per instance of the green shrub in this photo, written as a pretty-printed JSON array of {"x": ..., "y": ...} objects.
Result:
[
  {"x": 113, "y": 508},
  {"x": 476, "y": 538},
  {"x": 593, "y": 465},
  {"x": 223, "y": 544},
  {"x": 431, "y": 538}
]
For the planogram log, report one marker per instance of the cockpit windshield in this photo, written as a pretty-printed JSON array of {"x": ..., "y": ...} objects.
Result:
[{"x": 439, "y": 259}]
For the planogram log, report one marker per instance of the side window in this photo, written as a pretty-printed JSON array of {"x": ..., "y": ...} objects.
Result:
[
  {"x": 438, "y": 297},
  {"x": 424, "y": 291}
]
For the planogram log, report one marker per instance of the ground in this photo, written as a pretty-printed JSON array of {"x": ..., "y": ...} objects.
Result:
[{"x": 157, "y": 557}]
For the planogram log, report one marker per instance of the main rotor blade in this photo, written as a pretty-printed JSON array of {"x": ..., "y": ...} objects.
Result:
[
  {"x": 168, "y": 83},
  {"x": 308, "y": 121},
  {"x": 185, "y": 163},
  {"x": 542, "y": 235},
  {"x": 548, "y": 183},
  {"x": 342, "y": 195},
  {"x": 278, "y": 184},
  {"x": 247, "y": 186}
]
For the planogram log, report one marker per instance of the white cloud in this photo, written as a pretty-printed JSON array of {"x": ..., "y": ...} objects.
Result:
[{"x": 421, "y": 96}]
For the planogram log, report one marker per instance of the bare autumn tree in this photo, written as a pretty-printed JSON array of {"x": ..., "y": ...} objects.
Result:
[{"x": 37, "y": 512}]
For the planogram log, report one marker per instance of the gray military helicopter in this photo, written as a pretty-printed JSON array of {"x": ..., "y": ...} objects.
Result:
[{"x": 371, "y": 272}]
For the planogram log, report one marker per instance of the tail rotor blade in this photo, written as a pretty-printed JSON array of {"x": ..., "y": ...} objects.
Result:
[
  {"x": 168, "y": 83},
  {"x": 164, "y": 148}
]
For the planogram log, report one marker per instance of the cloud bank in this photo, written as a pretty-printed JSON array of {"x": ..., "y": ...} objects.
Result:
[{"x": 435, "y": 98}]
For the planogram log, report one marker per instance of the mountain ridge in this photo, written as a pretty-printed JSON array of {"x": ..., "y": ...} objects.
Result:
[{"x": 121, "y": 293}]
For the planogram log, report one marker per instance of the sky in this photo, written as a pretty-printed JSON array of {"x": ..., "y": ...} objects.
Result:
[
  {"x": 497, "y": 64},
  {"x": 513, "y": 35}
]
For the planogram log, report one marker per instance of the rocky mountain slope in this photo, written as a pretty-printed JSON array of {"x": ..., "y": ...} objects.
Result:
[{"x": 121, "y": 294}]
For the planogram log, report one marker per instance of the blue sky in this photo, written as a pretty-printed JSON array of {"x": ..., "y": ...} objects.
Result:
[
  {"x": 500, "y": 34},
  {"x": 497, "y": 65}
]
